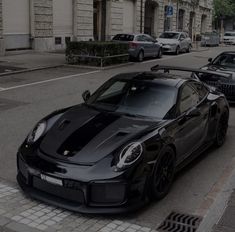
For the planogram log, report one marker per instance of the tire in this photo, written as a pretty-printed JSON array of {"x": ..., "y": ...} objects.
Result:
[
  {"x": 159, "y": 55},
  {"x": 140, "y": 56},
  {"x": 163, "y": 174},
  {"x": 189, "y": 48},
  {"x": 177, "y": 51},
  {"x": 222, "y": 128}
]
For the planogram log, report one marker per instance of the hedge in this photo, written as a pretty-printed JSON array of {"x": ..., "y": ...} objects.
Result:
[{"x": 96, "y": 53}]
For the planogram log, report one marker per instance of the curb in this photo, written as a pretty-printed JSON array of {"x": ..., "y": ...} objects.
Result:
[
  {"x": 29, "y": 70},
  {"x": 216, "y": 210},
  {"x": 63, "y": 65},
  {"x": 99, "y": 68}
]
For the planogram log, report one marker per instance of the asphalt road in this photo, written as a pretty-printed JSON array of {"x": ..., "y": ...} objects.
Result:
[{"x": 25, "y": 98}]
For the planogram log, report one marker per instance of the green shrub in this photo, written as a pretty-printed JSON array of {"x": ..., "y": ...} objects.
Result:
[{"x": 96, "y": 53}]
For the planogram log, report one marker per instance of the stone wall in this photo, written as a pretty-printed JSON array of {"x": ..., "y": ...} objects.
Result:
[
  {"x": 42, "y": 24},
  {"x": 84, "y": 19},
  {"x": 2, "y": 48}
]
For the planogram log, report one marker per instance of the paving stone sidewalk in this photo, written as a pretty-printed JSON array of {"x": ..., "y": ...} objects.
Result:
[
  {"x": 227, "y": 221},
  {"x": 21, "y": 214}
]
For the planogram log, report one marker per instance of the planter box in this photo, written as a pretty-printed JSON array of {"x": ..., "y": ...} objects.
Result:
[{"x": 98, "y": 54}]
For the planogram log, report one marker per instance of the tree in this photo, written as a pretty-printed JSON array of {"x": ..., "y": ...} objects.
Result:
[{"x": 223, "y": 10}]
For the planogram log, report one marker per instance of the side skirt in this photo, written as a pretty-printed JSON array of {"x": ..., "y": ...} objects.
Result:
[{"x": 193, "y": 156}]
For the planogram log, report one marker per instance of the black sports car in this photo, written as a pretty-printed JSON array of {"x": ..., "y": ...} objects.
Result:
[
  {"x": 121, "y": 147},
  {"x": 223, "y": 63}
]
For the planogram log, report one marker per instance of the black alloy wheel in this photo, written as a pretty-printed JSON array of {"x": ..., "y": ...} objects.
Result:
[
  {"x": 163, "y": 174},
  {"x": 222, "y": 129}
]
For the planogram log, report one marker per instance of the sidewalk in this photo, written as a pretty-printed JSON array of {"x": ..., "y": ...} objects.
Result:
[
  {"x": 29, "y": 60},
  {"x": 19, "y": 213},
  {"x": 198, "y": 48},
  {"x": 227, "y": 221}
]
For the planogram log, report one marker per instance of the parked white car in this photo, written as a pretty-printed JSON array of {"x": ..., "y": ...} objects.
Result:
[
  {"x": 175, "y": 42},
  {"x": 229, "y": 37}
]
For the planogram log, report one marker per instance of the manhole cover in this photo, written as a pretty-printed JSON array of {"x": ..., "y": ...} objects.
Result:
[{"x": 179, "y": 222}]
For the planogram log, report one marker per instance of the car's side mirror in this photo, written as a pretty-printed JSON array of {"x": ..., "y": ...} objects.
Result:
[
  {"x": 155, "y": 41},
  {"x": 193, "y": 113},
  {"x": 210, "y": 60},
  {"x": 86, "y": 95}
]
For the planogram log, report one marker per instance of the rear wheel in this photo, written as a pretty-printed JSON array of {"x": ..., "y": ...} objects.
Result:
[
  {"x": 140, "y": 56},
  {"x": 222, "y": 128},
  {"x": 163, "y": 174}
]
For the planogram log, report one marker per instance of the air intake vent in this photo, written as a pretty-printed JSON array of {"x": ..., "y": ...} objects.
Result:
[{"x": 179, "y": 222}]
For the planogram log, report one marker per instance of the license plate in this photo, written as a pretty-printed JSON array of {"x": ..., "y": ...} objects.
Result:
[{"x": 51, "y": 180}]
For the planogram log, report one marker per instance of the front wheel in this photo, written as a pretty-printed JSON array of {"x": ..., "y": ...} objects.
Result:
[
  {"x": 163, "y": 174},
  {"x": 222, "y": 129},
  {"x": 177, "y": 51},
  {"x": 159, "y": 53},
  {"x": 189, "y": 48}
]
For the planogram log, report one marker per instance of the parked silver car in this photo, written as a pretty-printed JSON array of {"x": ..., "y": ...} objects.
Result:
[
  {"x": 175, "y": 42},
  {"x": 229, "y": 37},
  {"x": 140, "y": 45}
]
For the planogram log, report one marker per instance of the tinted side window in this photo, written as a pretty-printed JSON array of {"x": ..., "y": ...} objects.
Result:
[
  {"x": 201, "y": 89},
  {"x": 148, "y": 39},
  {"x": 140, "y": 38},
  {"x": 188, "y": 99}
]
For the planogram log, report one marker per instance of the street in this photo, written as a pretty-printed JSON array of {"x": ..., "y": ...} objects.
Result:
[{"x": 27, "y": 97}]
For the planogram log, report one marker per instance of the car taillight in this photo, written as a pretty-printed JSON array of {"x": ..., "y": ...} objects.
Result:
[{"x": 132, "y": 45}]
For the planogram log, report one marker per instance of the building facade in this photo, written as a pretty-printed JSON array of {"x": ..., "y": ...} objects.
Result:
[{"x": 49, "y": 24}]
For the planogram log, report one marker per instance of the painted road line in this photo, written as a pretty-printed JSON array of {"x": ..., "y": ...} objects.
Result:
[
  {"x": 1, "y": 88},
  {"x": 49, "y": 80}
]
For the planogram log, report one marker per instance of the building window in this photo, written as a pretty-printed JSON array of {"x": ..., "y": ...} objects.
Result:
[
  {"x": 58, "y": 40},
  {"x": 167, "y": 21},
  {"x": 181, "y": 20}
]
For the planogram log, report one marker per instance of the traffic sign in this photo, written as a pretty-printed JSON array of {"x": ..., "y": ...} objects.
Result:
[{"x": 169, "y": 11}]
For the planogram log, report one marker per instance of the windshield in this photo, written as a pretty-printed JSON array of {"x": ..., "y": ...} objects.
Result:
[
  {"x": 123, "y": 37},
  {"x": 169, "y": 35},
  {"x": 229, "y": 34},
  {"x": 227, "y": 60},
  {"x": 134, "y": 97}
]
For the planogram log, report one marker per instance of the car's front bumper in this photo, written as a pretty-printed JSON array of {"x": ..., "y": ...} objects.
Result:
[
  {"x": 169, "y": 48},
  {"x": 228, "y": 89},
  {"x": 99, "y": 196}
]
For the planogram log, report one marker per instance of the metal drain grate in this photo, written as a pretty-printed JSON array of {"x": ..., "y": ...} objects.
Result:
[{"x": 179, "y": 222}]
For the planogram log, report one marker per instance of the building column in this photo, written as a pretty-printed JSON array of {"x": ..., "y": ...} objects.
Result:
[
  {"x": 2, "y": 47},
  {"x": 42, "y": 23},
  {"x": 84, "y": 19}
]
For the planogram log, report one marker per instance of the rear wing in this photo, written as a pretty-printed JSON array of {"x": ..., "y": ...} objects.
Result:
[{"x": 195, "y": 71}]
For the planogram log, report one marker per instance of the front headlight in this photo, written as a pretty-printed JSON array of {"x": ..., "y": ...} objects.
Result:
[
  {"x": 129, "y": 155},
  {"x": 37, "y": 132}
]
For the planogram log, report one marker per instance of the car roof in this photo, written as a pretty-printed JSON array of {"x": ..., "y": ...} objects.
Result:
[
  {"x": 168, "y": 79},
  {"x": 134, "y": 34},
  {"x": 173, "y": 32}
]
